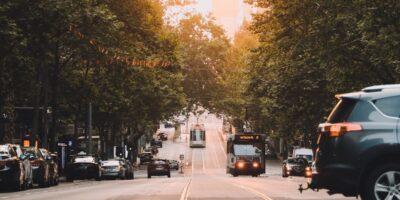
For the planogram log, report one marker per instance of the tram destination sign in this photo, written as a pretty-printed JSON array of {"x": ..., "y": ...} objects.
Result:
[{"x": 248, "y": 138}]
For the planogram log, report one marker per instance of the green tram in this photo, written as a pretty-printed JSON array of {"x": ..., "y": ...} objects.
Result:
[
  {"x": 246, "y": 154},
  {"x": 197, "y": 136}
]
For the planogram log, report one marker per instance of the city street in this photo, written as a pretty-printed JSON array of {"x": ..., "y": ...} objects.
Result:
[{"x": 204, "y": 178}]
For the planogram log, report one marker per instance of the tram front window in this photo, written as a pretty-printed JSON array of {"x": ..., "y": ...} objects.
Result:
[
  {"x": 197, "y": 136},
  {"x": 246, "y": 150}
]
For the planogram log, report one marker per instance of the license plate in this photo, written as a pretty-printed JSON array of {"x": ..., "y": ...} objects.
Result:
[{"x": 159, "y": 168}]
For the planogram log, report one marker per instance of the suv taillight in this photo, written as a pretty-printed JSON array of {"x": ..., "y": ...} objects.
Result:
[{"x": 339, "y": 129}]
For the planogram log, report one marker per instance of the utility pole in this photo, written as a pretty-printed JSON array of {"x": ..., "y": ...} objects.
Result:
[{"x": 90, "y": 128}]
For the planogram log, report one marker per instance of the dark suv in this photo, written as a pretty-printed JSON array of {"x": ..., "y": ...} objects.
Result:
[{"x": 358, "y": 151}]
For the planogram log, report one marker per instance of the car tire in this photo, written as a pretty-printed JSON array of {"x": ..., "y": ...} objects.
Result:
[
  {"x": 69, "y": 179},
  {"x": 235, "y": 174},
  {"x": 98, "y": 177},
  {"x": 43, "y": 182},
  {"x": 284, "y": 174},
  {"x": 17, "y": 186},
  {"x": 56, "y": 181},
  {"x": 381, "y": 176},
  {"x": 148, "y": 176},
  {"x": 169, "y": 175}
]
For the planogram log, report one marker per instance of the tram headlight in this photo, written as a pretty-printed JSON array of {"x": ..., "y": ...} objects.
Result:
[
  {"x": 256, "y": 164},
  {"x": 240, "y": 165}
]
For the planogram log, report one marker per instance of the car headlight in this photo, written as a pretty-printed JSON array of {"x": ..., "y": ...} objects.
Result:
[
  {"x": 288, "y": 167},
  {"x": 308, "y": 168}
]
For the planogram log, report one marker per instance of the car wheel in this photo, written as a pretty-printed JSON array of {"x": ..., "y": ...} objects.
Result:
[
  {"x": 69, "y": 179},
  {"x": 43, "y": 179},
  {"x": 235, "y": 174},
  {"x": 56, "y": 181},
  {"x": 284, "y": 174},
  {"x": 382, "y": 183},
  {"x": 98, "y": 177},
  {"x": 148, "y": 176},
  {"x": 18, "y": 184},
  {"x": 169, "y": 175}
]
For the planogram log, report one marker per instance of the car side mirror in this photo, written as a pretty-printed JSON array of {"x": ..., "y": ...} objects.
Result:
[{"x": 22, "y": 157}]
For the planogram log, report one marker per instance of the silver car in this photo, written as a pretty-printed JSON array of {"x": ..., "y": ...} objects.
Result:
[{"x": 113, "y": 169}]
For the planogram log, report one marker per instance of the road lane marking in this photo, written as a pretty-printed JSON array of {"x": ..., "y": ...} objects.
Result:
[
  {"x": 259, "y": 194},
  {"x": 192, "y": 164},
  {"x": 204, "y": 165},
  {"x": 185, "y": 191}
]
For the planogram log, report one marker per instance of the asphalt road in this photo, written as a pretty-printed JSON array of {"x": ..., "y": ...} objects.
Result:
[{"x": 204, "y": 177}]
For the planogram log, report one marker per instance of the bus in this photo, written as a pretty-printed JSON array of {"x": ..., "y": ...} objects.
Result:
[
  {"x": 246, "y": 154},
  {"x": 197, "y": 136}
]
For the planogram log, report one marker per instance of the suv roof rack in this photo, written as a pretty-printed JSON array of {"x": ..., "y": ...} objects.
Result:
[{"x": 378, "y": 88}]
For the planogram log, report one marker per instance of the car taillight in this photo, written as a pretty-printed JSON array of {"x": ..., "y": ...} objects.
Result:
[
  {"x": 35, "y": 163},
  {"x": 339, "y": 129}
]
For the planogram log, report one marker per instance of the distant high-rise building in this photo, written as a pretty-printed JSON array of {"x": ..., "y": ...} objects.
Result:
[
  {"x": 231, "y": 14},
  {"x": 180, "y": 2}
]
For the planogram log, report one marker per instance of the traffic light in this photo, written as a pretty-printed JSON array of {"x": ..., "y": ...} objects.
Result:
[
  {"x": 118, "y": 151},
  {"x": 26, "y": 141}
]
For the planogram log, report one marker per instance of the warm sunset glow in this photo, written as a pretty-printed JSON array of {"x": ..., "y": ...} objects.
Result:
[{"x": 229, "y": 13}]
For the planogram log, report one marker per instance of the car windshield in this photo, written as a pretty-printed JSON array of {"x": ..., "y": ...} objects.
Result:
[
  {"x": 297, "y": 161},
  {"x": 4, "y": 154},
  {"x": 110, "y": 163},
  {"x": 308, "y": 157},
  {"x": 84, "y": 160},
  {"x": 4, "y": 150},
  {"x": 30, "y": 153},
  {"x": 158, "y": 162},
  {"x": 342, "y": 110}
]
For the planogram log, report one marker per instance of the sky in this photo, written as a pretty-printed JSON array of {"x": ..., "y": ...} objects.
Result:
[{"x": 230, "y": 14}]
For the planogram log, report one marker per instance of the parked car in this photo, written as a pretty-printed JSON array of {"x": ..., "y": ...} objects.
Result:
[
  {"x": 358, "y": 146},
  {"x": 113, "y": 169},
  {"x": 154, "y": 150},
  {"x": 40, "y": 167},
  {"x": 270, "y": 154},
  {"x": 129, "y": 169},
  {"x": 156, "y": 143},
  {"x": 26, "y": 164},
  {"x": 173, "y": 164},
  {"x": 168, "y": 125},
  {"x": 158, "y": 167},
  {"x": 163, "y": 136},
  {"x": 296, "y": 167},
  {"x": 145, "y": 157},
  {"x": 53, "y": 165},
  {"x": 83, "y": 167},
  {"x": 12, "y": 172}
]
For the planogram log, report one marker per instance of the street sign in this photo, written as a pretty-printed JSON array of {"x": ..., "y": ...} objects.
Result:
[{"x": 181, "y": 157}]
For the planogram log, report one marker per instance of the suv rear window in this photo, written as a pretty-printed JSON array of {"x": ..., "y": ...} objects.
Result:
[
  {"x": 389, "y": 106},
  {"x": 342, "y": 110}
]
